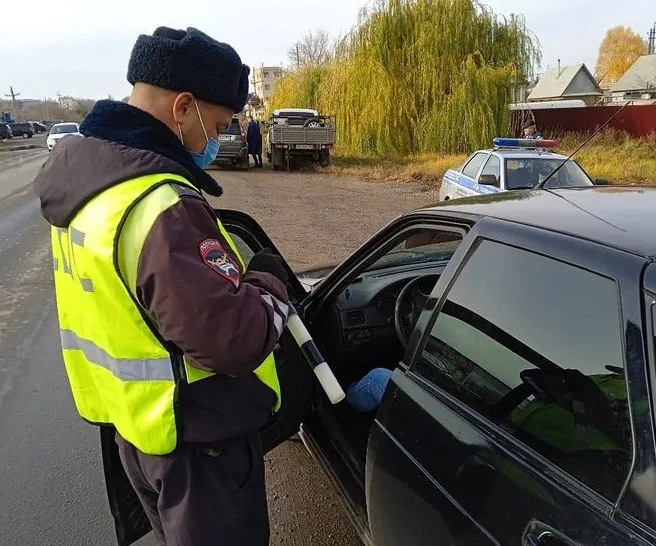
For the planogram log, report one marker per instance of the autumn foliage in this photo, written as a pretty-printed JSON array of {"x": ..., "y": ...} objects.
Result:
[{"x": 618, "y": 51}]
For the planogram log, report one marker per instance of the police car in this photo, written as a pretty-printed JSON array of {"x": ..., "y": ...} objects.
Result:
[{"x": 513, "y": 164}]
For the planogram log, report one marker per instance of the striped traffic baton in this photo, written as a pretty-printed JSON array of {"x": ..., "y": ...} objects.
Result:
[{"x": 317, "y": 362}]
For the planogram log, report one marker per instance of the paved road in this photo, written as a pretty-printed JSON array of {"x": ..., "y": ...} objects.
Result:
[
  {"x": 51, "y": 481},
  {"x": 50, "y": 473}
]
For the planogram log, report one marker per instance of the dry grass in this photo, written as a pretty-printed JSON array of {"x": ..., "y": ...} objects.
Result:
[
  {"x": 426, "y": 168},
  {"x": 616, "y": 156},
  {"x": 611, "y": 155}
]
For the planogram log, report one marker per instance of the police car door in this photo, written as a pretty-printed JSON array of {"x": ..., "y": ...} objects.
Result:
[
  {"x": 467, "y": 181},
  {"x": 296, "y": 382}
]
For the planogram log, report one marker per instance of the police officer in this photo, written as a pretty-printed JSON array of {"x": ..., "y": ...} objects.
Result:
[
  {"x": 531, "y": 131},
  {"x": 165, "y": 334}
]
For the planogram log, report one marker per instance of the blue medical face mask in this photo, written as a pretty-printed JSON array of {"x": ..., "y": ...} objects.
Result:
[{"x": 208, "y": 155}]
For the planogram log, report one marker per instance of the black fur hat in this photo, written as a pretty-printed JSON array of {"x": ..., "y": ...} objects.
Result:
[{"x": 190, "y": 61}]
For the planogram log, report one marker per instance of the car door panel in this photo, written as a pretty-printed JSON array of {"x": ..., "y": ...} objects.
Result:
[
  {"x": 296, "y": 381},
  {"x": 426, "y": 454},
  {"x": 465, "y": 472},
  {"x": 406, "y": 505},
  {"x": 296, "y": 378}
]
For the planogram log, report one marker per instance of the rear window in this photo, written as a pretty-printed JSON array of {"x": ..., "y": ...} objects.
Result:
[
  {"x": 294, "y": 118},
  {"x": 305, "y": 115},
  {"x": 234, "y": 129}
]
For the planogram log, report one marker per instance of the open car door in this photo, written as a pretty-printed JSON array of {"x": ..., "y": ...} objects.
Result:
[{"x": 297, "y": 382}]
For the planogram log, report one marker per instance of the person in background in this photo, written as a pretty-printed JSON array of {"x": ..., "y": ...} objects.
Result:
[
  {"x": 254, "y": 139},
  {"x": 531, "y": 131}
]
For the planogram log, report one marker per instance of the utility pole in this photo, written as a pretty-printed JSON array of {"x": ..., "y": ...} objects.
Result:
[
  {"x": 13, "y": 99},
  {"x": 298, "y": 58},
  {"x": 652, "y": 40}
]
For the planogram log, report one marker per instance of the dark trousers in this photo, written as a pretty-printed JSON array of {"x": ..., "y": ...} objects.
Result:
[
  {"x": 202, "y": 494},
  {"x": 257, "y": 158}
]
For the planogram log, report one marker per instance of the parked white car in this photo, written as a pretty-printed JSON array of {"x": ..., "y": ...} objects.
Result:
[
  {"x": 513, "y": 164},
  {"x": 59, "y": 131}
]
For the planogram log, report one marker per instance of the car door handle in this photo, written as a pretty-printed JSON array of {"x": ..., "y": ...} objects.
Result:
[{"x": 540, "y": 534}]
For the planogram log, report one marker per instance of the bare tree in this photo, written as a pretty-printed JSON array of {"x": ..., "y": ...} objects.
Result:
[{"x": 311, "y": 50}]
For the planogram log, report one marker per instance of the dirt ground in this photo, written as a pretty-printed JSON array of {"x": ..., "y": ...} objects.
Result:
[{"x": 313, "y": 219}]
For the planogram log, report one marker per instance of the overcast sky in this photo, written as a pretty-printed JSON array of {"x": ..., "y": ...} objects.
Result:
[{"x": 74, "y": 48}]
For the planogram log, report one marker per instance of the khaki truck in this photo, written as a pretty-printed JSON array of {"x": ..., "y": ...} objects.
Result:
[{"x": 299, "y": 134}]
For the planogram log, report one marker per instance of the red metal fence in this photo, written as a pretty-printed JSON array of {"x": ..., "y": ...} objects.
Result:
[{"x": 638, "y": 121}]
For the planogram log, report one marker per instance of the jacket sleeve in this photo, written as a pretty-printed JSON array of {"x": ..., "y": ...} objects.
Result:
[{"x": 189, "y": 279}]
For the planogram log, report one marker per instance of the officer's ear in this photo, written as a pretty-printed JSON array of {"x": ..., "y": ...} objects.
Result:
[{"x": 184, "y": 109}]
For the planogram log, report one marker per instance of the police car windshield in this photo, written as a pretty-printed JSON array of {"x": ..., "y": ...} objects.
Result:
[{"x": 528, "y": 172}]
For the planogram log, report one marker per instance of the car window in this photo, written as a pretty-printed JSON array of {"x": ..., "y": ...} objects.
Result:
[
  {"x": 474, "y": 164},
  {"x": 493, "y": 166},
  {"x": 234, "y": 129},
  {"x": 528, "y": 172},
  {"x": 420, "y": 246},
  {"x": 535, "y": 345}
]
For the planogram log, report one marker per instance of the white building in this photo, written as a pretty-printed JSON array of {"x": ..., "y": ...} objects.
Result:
[{"x": 264, "y": 82}]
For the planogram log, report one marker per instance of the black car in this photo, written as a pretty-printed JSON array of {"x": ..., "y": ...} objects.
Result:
[
  {"x": 39, "y": 128},
  {"x": 234, "y": 149},
  {"x": 521, "y": 329},
  {"x": 24, "y": 129},
  {"x": 5, "y": 131}
]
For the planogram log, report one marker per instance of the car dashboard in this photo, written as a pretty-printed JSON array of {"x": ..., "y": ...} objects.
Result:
[{"x": 365, "y": 308}]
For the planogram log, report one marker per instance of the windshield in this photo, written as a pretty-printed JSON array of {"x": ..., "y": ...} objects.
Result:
[
  {"x": 421, "y": 247},
  {"x": 524, "y": 173},
  {"x": 59, "y": 129}
]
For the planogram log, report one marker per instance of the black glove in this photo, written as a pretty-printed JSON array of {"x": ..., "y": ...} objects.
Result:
[{"x": 268, "y": 262}]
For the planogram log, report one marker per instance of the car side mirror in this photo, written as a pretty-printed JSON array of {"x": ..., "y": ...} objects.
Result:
[
  {"x": 600, "y": 182},
  {"x": 489, "y": 180}
]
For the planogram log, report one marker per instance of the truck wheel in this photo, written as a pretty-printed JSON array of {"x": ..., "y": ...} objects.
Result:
[
  {"x": 324, "y": 158},
  {"x": 278, "y": 159}
]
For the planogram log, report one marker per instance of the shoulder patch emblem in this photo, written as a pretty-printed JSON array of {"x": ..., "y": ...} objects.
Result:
[{"x": 216, "y": 257}]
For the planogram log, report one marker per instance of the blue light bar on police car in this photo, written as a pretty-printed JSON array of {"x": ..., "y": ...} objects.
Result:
[{"x": 523, "y": 143}]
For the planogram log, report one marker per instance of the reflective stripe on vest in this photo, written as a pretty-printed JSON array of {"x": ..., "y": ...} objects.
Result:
[{"x": 119, "y": 369}]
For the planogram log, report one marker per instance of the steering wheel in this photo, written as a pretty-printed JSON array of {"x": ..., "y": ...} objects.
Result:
[{"x": 412, "y": 299}]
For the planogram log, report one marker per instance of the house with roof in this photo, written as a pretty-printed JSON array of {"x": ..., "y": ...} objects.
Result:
[
  {"x": 574, "y": 82},
  {"x": 638, "y": 83}
]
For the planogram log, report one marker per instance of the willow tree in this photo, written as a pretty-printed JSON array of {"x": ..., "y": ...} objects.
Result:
[{"x": 420, "y": 76}]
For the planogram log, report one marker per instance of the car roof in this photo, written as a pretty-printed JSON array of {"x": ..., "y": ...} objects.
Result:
[
  {"x": 618, "y": 216},
  {"x": 295, "y": 111},
  {"x": 65, "y": 123}
]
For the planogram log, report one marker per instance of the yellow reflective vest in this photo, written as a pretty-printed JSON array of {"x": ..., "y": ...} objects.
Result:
[{"x": 120, "y": 370}]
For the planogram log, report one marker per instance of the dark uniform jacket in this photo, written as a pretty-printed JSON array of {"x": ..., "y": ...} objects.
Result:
[{"x": 222, "y": 326}]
